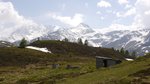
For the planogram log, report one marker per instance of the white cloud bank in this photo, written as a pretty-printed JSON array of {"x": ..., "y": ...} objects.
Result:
[
  {"x": 72, "y": 21},
  {"x": 129, "y": 12},
  {"x": 147, "y": 12},
  {"x": 123, "y": 2},
  {"x": 104, "y": 4},
  {"x": 11, "y": 21},
  {"x": 140, "y": 11},
  {"x": 143, "y": 12},
  {"x": 8, "y": 15}
]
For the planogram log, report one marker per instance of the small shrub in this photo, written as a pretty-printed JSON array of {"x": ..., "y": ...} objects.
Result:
[{"x": 23, "y": 43}]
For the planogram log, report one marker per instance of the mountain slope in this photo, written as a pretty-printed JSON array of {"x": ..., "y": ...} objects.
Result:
[
  {"x": 130, "y": 38},
  {"x": 72, "y": 33},
  {"x": 29, "y": 32},
  {"x": 5, "y": 44}
]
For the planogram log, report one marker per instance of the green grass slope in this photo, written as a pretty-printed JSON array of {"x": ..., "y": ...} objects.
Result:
[
  {"x": 136, "y": 72},
  {"x": 27, "y": 66},
  {"x": 13, "y": 56}
]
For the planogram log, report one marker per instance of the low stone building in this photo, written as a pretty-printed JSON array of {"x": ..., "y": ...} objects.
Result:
[
  {"x": 106, "y": 61},
  {"x": 72, "y": 67},
  {"x": 55, "y": 66}
]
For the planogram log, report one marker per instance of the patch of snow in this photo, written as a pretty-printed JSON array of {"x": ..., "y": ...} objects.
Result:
[
  {"x": 143, "y": 48},
  {"x": 39, "y": 49},
  {"x": 91, "y": 43},
  {"x": 144, "y": 33},
  {"x": 128, "y": 59},
  {"x": 56, "y": 28},
  {"x": 146, "y": 51},
  {"x": 3, "y": 42},
  {"x": 137, "y": 39}
]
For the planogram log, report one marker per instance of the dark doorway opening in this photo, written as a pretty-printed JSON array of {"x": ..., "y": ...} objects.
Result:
[{"x": 105, "y": 63}]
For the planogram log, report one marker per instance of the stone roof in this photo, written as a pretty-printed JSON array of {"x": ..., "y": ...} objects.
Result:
[{"x": 103, "y": 57}]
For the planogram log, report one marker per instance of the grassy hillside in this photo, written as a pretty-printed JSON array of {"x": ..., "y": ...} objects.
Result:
[
  {"x": 27, "y": 66},
  {"x": 23, "y": 66},
  {"x": 136, "y": 72},
  {"x": 19, "y": 57},
  {"x": 67, "y": 48},
  {"x": 21, "y": 69},
  {"x": 13, "y": 56}
]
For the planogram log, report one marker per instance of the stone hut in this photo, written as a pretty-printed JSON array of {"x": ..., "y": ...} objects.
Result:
[
  {"x": 106, "y": 61},
  {"x": 55, "y": 66}
]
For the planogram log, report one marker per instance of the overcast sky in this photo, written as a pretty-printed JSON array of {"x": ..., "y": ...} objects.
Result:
[{"x": 96, "y": 13}]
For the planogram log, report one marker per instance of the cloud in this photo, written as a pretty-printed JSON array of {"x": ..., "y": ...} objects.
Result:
[
  {"x": 143, "y": 12},
  {"x": 123, "y": 2},
  {"x": 102, "y": 18},
  {"x": 104, "y": 4},
  {"x": 72, "y": 21},
  {"x": 147, "y": 12},
  {"x": 8, "y": 15},
  {"x": 11, "y": 20},
  {"x": 128, "y": 6},
  {"x": 118, "y": 27},
  {"x": 131, "y": 11}
]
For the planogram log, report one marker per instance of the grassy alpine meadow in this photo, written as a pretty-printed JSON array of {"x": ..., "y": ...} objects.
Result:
[
  {"x": 26, "y": 66},
  {"x": 41, "y": 72},
  {"x": 44, "y": 75},
  {"x": 136, "y": 72}
]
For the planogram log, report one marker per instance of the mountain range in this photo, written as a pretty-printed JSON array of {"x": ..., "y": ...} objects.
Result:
[{"x": 132, "y": 40}]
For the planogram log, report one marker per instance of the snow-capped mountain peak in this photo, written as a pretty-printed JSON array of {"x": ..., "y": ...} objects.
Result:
[
  {"x": 83, "y": 25},
  {"x": 81, "y": 29},
  {"x": 29, "y": 32},
  {"x": 138, "y": 40}
]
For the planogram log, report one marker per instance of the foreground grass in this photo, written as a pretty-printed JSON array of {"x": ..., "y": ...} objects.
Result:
[
  {"x": 26, "y": 66},
  {"x": 137, "y": 72},
  {"x": 120, "y": 74},
  {"x": 37, "y": 74}
]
